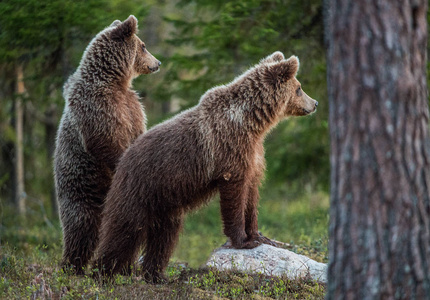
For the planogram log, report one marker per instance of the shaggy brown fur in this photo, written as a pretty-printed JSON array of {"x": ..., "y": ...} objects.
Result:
[
  {"x": 101, "y": 118},
  {"x": 180, "y": 164}
]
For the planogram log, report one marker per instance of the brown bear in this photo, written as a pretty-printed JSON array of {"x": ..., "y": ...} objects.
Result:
[
  {"x": 102, "y": 117},
  {"x": 180, "y": 164}
]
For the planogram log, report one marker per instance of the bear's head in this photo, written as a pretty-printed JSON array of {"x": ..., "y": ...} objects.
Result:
[
  {"x": 280, "y": 74},
  {"x": 124, "y": 35},
  {"x": 117, "y": 54}
]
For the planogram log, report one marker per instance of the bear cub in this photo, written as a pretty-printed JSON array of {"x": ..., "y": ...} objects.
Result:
[
  {"x": 101, "y": 118},
  {"x": 180, "y": 164}
]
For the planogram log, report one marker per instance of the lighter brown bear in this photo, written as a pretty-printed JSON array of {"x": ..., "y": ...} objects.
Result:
[
  {"x": 180, "y": 164},
  {"x": 101, "y": 118}
]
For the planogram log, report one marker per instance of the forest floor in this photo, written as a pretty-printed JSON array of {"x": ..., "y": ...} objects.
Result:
[{"x": 30, "y": 251}]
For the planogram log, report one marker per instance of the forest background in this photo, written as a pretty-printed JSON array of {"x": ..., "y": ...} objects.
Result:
[{"x": 201, "y": 44}]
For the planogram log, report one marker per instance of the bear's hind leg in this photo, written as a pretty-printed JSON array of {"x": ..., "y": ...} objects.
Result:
[
  {"x": 120, "y": 241},
  {"x": 163, "y": 236},
  {"x": 80, "y": 236}
]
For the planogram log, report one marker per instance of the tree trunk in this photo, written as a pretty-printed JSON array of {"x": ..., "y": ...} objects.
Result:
[
  {"x": 380, "y": 150},
  {"x": 7, "y": 89},
  {"x": 19, "y": 147},
  {"x": 50, "y": 134}
]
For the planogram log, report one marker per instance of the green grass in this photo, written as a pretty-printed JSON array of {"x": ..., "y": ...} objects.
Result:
[
  {"x": 30, "y": 251},
  {"x": 303, "y": 223},
  {"x": 43, "y": 279}
]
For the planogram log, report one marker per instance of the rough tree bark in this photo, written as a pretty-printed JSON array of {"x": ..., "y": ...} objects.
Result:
[
  {"x": 380, "y": 150},
  {"x": 19, "y": 147}
]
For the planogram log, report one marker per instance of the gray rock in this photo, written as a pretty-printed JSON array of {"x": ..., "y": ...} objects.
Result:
[{"x": 268, "y": 260}]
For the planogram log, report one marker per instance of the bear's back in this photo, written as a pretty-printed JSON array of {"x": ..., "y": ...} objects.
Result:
[{"x": 174, "y": 155}]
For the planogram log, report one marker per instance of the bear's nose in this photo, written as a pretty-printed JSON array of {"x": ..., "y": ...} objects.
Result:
[
  {"x": 159, "y": 63},
  {"x": 316, "y": 103}
]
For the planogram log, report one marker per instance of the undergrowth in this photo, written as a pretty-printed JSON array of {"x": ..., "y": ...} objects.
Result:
[
  {"x": 40, "y": 278},
  {"x": 30, "y": 252}
]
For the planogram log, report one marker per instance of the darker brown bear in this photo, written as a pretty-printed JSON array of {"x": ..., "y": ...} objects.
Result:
[
  {"x": 180, "y": 164},
  {"x": 102, "y": 116}
]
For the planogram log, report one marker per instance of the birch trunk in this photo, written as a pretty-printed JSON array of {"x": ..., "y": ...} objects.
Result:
[{"x": 19, "y": 146}]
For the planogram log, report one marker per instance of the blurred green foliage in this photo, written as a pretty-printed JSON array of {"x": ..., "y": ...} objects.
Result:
[
  {"x": 201, "y": 44},
  {"x": 46, "y": 38},
  {"x": 221, "y": 39}
]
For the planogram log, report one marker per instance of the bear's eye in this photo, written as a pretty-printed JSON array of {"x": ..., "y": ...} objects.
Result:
[
  {"x": 299, "y": 91},
  {"x": 143, "y": 48}
]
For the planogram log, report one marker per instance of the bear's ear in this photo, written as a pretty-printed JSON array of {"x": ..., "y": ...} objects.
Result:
[
  {"x": 274, "y": 57},
  {"x": 283, "y": 70},
  {"x": 115, "y": 23},
  {"x": 126, "y": 29}
]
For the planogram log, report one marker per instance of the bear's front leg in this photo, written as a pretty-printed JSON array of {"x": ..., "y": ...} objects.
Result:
[
  {"x": 233, "y": 198},
  {"x": 251, "y": 217}
]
